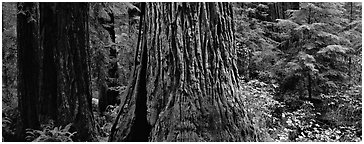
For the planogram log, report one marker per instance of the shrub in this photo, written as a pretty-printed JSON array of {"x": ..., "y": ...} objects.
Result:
[
  {"x": 105, "y": 121},
  {"x": 57, "y": 134},
  {"x": 9, "y": 120},
  {"x": 340, "y": 120},
  {"x": 260, "y": 105}
]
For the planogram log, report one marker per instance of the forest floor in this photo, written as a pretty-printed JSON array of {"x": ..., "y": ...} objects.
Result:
[
  {"x": 328, "y": 118},
  {"x": 332, "y": 118}
]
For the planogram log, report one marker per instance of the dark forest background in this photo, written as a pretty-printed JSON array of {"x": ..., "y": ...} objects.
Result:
[{"x": 251, "y": 71}]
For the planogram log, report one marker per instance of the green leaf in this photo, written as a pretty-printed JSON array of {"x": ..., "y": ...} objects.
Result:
[
  {"x": 294, "y": 66},
  {"x": 330, "y": 37},
  {"x": 303, "y": 27},
  {"x": 306, "y": 57},
  {"x": 131, "y": 6},
  {"x": 311, "y": 67},
  {"x": 67, "y": 127},
  {"x": 309, "y": 46},
  {"x": 287, "y": 24},
  {"x": 55, "y": 129},
  {"x": 333, "y": 48}
]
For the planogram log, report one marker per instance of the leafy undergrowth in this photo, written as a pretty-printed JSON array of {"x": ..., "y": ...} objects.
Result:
[
  {"x": 336, "y": 119},
  {"x": 105, "y": 121},
  {"x": 50, "y": 134},
  {"x": 9, "y": 122},
  {"x": 258, "y": 100}
]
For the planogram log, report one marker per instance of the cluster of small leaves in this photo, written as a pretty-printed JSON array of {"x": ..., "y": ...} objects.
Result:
[
  {"x": 105, "y": 121},
  {"x": 302, "y": 126},
  {"x": 50, "y": 134},
  {"x": 345, "y": 108},
  {"x": 299, "y": 124},
  {"x": 342, "y": 120},
  {"x": 259, "y": 103},
  {"x": 9, "y": 120},
  {"x": 8, "y": 128},
  {"x": 256, "y": 51}
]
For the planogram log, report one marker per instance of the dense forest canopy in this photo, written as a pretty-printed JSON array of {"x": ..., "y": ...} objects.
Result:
[{"x": 134, "y": 71}]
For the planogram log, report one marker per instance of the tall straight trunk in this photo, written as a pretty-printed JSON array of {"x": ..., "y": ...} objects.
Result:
[
  {"x": 185, "y": 87},
  {"x": 48, "y": 30},
  {"x": 28, "y": 66},
  {"x": 71, "y": 63}
]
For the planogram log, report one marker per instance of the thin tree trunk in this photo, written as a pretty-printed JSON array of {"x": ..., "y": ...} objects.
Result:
[
  {"x": 309, "y": 86},
  {"x": 351, "y": 20},
  {"x": 186, "y": 85},
  {"x": 28, "y": 65}
]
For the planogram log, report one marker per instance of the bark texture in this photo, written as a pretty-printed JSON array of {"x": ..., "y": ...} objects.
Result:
[
  {"x": 28, "y": 66},
  {"x": 71, "y": 63},
  {"x": 184, "y": 86}
]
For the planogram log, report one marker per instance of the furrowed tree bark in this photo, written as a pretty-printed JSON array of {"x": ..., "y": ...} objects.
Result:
[
  {"x": 28, "y": 66},
  {"x": 71, "y": 61},
  {"x": 186, "y": 85}
]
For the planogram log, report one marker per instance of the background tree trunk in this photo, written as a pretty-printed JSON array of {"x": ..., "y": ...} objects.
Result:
[
  {"x": 106, "y": 18},
  {"x": 278, "y": 9},
  {"x": 28, "y": 65},
  {"x": 185, "y": 87},
  {"x": 99, "y": 18},
  {"x": 73, "y": 93}
]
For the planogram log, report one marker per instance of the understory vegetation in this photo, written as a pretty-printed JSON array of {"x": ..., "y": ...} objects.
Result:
[
  {"x": 301, "y": 73},
  {"x": 336, "y": 119},
  {"x": 299, "y": 66}
]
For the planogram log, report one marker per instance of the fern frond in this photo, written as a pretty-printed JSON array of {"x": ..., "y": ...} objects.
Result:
[{"x": 333, "y": 48}]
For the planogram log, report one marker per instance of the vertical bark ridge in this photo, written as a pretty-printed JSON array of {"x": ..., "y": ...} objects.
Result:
[
  {"x": 136, "y": 127},
  {"x": 29, "y": 66},
  {"x": 73, "y": 89},
  {"x": 216, "y": 47},
  {"x": 49, "y": 89}
]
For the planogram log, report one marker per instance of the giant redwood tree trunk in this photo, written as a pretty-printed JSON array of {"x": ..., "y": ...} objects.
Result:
[
  {"x": 185, "y": 84},
  {"x": 48, "y": 30},
  {"x": 28, "y": 65},
  {"x": 71, "y": 63}
]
